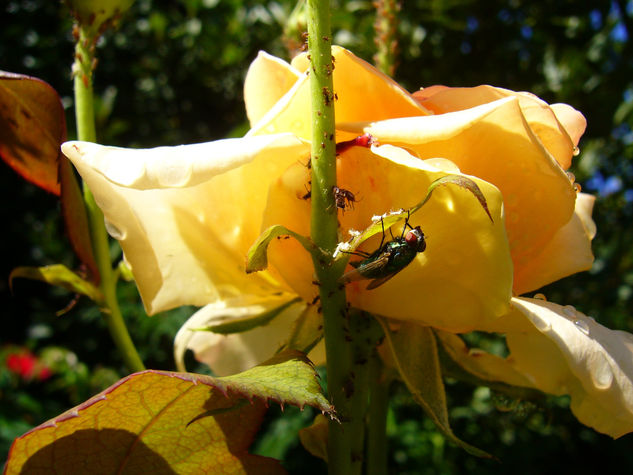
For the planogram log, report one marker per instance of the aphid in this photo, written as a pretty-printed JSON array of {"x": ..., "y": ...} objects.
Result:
[
  {"x": 328, "y": 96},
  {"x": 390, "y": 257},
  {"x": 308, "y": 194},
  {"x": 344, "y": 198}
]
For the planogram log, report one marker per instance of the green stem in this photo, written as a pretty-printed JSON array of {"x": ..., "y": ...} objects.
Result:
[
  {"x": 344, "y": 455},
  {"x": 377, "y": 426},
  {"x": 84, "y": 113}
]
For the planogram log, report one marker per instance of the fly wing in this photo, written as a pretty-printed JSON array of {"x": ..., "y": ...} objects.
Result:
[
  {"x": 360, "y": 272},
  {"x": 381, "y": 280}
]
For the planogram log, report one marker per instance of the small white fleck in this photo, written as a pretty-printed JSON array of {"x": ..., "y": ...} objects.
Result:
[{"x": 341, "y": 247}]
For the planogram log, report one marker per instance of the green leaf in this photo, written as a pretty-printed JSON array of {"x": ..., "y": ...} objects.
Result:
[
  {"x": 124, "y": 271},
  {"x": 458, "y": 180},
  {"x": 257, "y": 258},
  {"x": 163, "y": 422},
  {"x": 415, "y": 353},
  {"x": 288, "y": 377},
  {"x": 379, "y": 223},
  {"x": 61, "y": 276},
  {"x": 239, "y": 325},
  {"x": 32, "y": 128}
]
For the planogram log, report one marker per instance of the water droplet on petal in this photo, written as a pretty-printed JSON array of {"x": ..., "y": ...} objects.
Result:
[
  {"x": 571, "y": 177},
  {"x": 601, "y": 372},
  {"x": 575, "y": 152},
  {"x": 115, "y": 231},
  {"x": 540, "y": 297},
  {"x": 577, "y": 187},
  {"x": 542, "y": 324},
  {"x": 569, "y": 311},
  {"x": 582, "y": 326}
]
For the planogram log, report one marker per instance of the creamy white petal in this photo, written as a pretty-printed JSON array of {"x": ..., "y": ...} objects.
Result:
[
  {"x": 569, "y": 353},
  {"x": 230, "y": 354},
  {"x": 483, "y": 365},
  {"x": 186, "y": 239},
  {"x": 178, "y": 166}
]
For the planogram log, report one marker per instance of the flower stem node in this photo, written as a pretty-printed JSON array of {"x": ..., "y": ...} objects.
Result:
[{"x": 98, "y": 15}]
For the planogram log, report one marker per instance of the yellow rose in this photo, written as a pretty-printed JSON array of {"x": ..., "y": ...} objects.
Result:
[{"x": 186, "y": 216}]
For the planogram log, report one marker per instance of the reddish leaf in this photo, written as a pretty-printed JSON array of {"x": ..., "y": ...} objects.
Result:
[
  {"x": 76, "y": 218},
  {"x": 32, "y": 128},
  {"x": 151, "y": 422}
]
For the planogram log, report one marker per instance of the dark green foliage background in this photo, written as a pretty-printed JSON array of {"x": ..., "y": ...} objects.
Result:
[{"x": 172, "y": 73}]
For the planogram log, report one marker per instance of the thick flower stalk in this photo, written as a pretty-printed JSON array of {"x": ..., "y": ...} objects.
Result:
[{"x": 186, "y": 217}]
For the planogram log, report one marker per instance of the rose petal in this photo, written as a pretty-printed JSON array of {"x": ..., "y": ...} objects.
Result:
[
  {"x": 363, "y": 93},
  {"x": 267, "y": 80},
  {"x": 568, "y": 252},
  {"x": 558, "y": 131},
  {"x": 465, "y": 275},
  {"x": 573, "y": 121},
  {"x": 301, "y": 62},
  {"x": 493, "y": 142},
  {"x": 483, "y": 365},
  {"x": 179, "y": 166},
  {"x": 426, "y": 92},
  {"x": 569, "y": 353},
  {"x": 230, "y": 354},
  {"x": 187, "y": 245}
]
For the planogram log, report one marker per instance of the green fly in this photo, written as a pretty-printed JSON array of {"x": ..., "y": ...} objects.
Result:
[{"x": 390, "y": 257}]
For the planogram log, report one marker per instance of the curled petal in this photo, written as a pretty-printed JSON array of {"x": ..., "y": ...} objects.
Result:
[
  {"x": 493, "y": 142},
  {"x": 558, "y": 127},
  {"x": 568, "y": 252},
  {"x": 300, "y": 62},
  {"x": 567, "y": 352},
  {"x": 483, "y": 365},
  {"x": 179, "y": 166},
  {"x": 230, "y": 354},
  {"x": 267, "y": 80},
  {"x": 573, "y": 121},
  {"x": 464, "y": 276},
  {"x": 362, "y": 93},
  {"x": 185, "y": 216}
]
